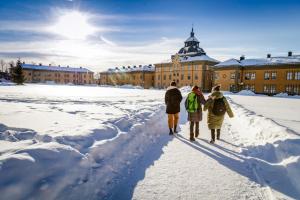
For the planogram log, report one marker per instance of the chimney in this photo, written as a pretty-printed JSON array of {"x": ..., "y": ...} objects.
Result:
[
  {"x": 49, "y": 65},
  {"x": 290, "y": 53},
  {"x": 268, "y": 55},
  {"x": 23, "y": 62},
  {"x": 242, "y": 57},
  {"x": 58, "y": 65},
  {"x": 40, "y": 64},
  {"x": 128, "y": 67},
  {"x": 134, "y": 66},
  {"x": 68, "y": 66},
  {"x": 123, "y": 67},
  {"x": 140, "y": 66}
]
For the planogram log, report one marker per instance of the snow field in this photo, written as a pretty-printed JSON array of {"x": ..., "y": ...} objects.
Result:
[{"x": 56, "y": 145}]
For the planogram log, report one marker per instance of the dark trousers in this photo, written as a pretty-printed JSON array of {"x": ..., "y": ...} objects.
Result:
[
  {"x": 196, "y": 129},
  {"x": 213, "y": 135}
]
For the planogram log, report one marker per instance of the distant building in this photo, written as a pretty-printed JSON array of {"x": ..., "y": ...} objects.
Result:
[
  {"x": 56, "y": 74},
  {"x": 133, "y": 75},
  {"x": 270, "y": 75},
  {"x": 190, "y": 66}
]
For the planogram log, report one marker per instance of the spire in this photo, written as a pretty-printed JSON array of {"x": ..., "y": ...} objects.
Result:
[{"x": 192, "y": 33}]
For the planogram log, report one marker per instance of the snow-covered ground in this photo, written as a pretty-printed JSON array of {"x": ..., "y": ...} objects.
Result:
[{"x": 80, "y": 142}]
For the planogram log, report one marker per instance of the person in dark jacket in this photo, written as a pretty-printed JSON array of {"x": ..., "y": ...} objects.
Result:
[
  {"x": 173, "y": 98},
  {"x": 193, "y": 106}
]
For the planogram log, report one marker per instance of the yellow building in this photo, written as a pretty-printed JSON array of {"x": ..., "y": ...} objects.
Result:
[
  {"x": 270, "y": 75},
  {"x": 132, "y": 75},
  {"x": 57, "y": 74},
  {"x": 190, "y": 66}
]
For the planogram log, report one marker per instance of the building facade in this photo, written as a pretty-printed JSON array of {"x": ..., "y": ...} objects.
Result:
[
  {"x": 132, "y": 75},
  {"x": 269, "y": 75},
  {"x": 57, "y": 74},
  {"x": 190, "y": 66}
]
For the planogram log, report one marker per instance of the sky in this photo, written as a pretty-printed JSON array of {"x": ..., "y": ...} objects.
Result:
[{"x": 100, "y": 34}]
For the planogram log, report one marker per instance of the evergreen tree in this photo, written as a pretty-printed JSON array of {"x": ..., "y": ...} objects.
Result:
[{"x": 17, "y": 73}]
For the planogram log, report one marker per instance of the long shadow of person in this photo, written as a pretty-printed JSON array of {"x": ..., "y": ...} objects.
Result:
[{"x": 274, "y": 176}]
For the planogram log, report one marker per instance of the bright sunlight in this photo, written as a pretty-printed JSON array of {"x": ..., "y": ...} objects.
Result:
[{"x": 73, "y": 25}]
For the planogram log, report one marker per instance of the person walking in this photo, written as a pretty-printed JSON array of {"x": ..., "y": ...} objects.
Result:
[
  {"x": 173, "y": 98},
  {"x": 193, "y": 106},
  {"x": 217, "y": 105}
]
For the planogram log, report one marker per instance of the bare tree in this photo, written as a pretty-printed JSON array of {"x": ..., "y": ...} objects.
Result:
[{"x": 2, "y": 64}]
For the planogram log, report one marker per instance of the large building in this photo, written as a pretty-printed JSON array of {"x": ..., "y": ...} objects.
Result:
[
  {"x": 132, "y": 75},
  {"x": 270, "y": 75},
  {"x": 190, "y": 66},
  {"x": 56, "y": 74}
]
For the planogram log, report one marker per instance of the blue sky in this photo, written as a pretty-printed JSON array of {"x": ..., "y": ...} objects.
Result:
[{"x": 102, "y": 34}]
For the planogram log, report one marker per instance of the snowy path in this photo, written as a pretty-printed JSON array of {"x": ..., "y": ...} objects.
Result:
[{"x": 199, "y": 170}]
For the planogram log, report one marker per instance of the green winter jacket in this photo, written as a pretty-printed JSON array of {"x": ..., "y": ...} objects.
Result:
[{"x": 213, "y": 121}]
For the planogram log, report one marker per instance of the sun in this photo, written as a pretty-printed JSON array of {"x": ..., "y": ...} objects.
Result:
[{"x": 73, "y": 25}]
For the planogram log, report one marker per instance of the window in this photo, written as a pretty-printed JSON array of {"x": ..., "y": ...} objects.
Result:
[
  {"x": 158, "y": 77},
  {"x": 292, "y": 89},
  {"x": 196, "y": 77},
  {"x": 182, "y": 76},
  {"x": 133, "y": 77},
  {"x": 170, "y": 77},
  {"x": 196, "y": 67},
  {"x": 165, "y": 77},
  {"x": 273, "y": 75},
  {"x": 250, "y": 76},
  {"x": 247, "y": 76},
  {"x": 297, "y": 75},
  {"x": 271, "y": 89},
  {"x": 182, "y": 67},
  {"x": 232, "y": 75},
  {"x": 267, "y": 76},
  {"x": 216, "y": 76},
  {"x": 289, "y": 75},
  {"x": 250, "y": 87},
  {"x": 232, "y": 88},
  {"x": 189, "y": 67},
  {"x": 189, "y": 77}
]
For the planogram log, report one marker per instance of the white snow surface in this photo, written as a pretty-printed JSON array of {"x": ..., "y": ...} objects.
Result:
[{"x": 80, "y": 142}]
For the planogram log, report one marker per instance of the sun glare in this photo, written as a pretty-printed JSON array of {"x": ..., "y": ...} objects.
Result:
[{"x": 73, "y": 25}]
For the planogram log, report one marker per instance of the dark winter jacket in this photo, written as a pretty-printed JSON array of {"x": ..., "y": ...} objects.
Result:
[{"x": 173, "y": 98}]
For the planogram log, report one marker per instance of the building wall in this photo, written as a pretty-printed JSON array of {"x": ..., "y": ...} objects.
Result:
[
  {"x": 253, "y": 78},
  {"x": 42, "y": 76},
  {"x": 137, "y": 78},
  {"x": 227, "y": 78},
  {"x": 185, "y": 74}
]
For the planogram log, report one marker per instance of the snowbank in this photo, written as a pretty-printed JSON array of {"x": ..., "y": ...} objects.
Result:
[
  {"x": 246, "y": 92},
  {"x": 273, "y": 150}
]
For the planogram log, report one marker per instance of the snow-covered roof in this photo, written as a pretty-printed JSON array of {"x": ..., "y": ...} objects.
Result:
[
  {"x": 295, "y": 59},
  {"x": 55, "y": 68},
  {"x": 140, "y": 68},
  {"x": 197, "y": 58},
  {"x": 190, "y": 39}
]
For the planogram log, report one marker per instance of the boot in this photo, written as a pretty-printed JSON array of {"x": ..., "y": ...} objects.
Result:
[
  {"x": 218, "y": 134},
  {"x": 197, "y": 129},
  {"x": 192, "y": 137},
  {"x": 175, "y": 129},
  {"x": 212, "y": 136},
  {"x": 197, "y": 134},
  {"x": 171, "y": 131}
]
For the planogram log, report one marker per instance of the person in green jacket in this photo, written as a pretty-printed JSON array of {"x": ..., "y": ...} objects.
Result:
[
  {"x": 217, "y": 105},
  {"x": 193, "y": 106}
]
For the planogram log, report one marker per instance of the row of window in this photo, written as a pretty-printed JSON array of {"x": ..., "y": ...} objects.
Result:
[
  {"x": 181, "y": 77},
  {"x": 58, "y": 75},
  {"x": 292, "y": 89},
  {"x": 175, "y": 67},
  {"x": 268, "y": 75}
]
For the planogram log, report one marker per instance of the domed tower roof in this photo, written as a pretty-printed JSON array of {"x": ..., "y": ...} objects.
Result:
[{"x": 191, "y": 46}]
